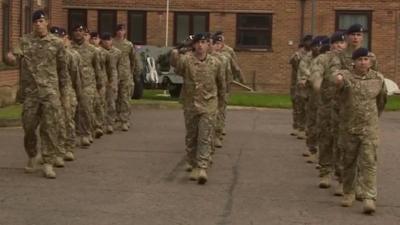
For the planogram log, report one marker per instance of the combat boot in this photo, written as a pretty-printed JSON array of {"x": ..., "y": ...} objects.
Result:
[
  {"x": 188, "y": 167},
  {"x": 59, "y": 162},
  {"x": 69, "y": 156},
  {"x": 294, "y": 132},
  {"x": 348, "y": 200},
  {"x": 301, "y": 135},
  {"x": 306, "y": 153},
  {"x": 223, "y": 132},
  {"x": 202, "y": 176},
  {"x": 48, "y": 171},
  {"x": 369, "y": 206},
  {"x": 98, "y": 133},
  {"x": 91, "y": 139},
  {"x": 194, "y": 175},
  {"x": 217, "y": 143},
  {"x": 85, "y": 142},
  {"x": 339, "y": 190},
  {"x": 125, "y": 127},
  {"x": 312, "y": 158},
  {"x": 109, "y": 130},
  {"x": 31, "y": 166},
  {"x": 325, "y": 181}
]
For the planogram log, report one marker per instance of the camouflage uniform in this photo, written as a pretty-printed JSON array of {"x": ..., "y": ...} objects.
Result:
[
  {"x": 70, "y": 101},
  {"x": 298, "y": 109},
  {"x": 125, "y": 86},
  {"x": 100, "y": 100},
  {"x": 203, "y": 92},
  {"x": 112, "y": 69},
  {"x": 307, "y": 95},
  {"x": 322, "y": 71},
  {"x": 363, "y": 99},
  {"x": 227, "y": 76},
  {"x": 236, "y": 71},
  {"x": 89, "y": 68},
  {"x": 43, "y": 82}
]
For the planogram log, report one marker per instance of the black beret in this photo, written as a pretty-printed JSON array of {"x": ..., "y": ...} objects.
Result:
[
  {"x": 38, "y": 14},
  {"x": 355, "y": 28},
  {"x": 200, "y": 36},
  {"x": 94, "y": 34},
  {"x": 55, "y": 30},
  {"x": 308, "y": 37},
  {"x": 361, "y": 52},
  {"x": 120, "y": 27},
  {"x": 320, "y": 40},
  {"x": 79, "y": 27},
  {"x": 338, "y": 36},
  {"x": 216, "y": 38},
  {"x": 218, "y": 33},
  {"x": 62, "y": 32},
  {"x": 105, "y": 36}
]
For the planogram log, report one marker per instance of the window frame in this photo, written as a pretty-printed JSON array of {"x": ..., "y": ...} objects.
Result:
[
  {"x": 368, "y": 13},
  {"x": 28, "y": 9},
  {"x": 84, "y": 13},
  {"x": 6, "y": 36},
  {"x": 269, "y": 30},
  {"x": 115, "y": 21},
  {"x": 191, "y": 25},
  {"x": 144, "y": 35}
]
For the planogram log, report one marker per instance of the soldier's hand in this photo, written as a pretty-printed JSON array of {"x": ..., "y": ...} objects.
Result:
[
  {"x": 339, "y": 79},
  {"x": 302, "y": 83},
  {"x": 11, "y": 59}
]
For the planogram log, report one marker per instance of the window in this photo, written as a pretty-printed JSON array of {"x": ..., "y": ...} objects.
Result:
[
  {"x": 6, "y": 26},
  {"x": 27, "y": 16},
  {"x": 189, "y": 23},
  {"x": 137, "y": 27},
  {"x": 107, "y": 20},
  {"x": 344, "y": 19},
  {"x": 254, "y": 31},
  {"x": 75, "y": 17}
]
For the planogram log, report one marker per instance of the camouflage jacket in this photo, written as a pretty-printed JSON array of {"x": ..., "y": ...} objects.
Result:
[
  {"x": 73, "y": 64},
  {"x": 128, "y": 59},
  {"x": 294, "y": 62},
  {"x": 236, "y": 71},
  {"x": 226, "y": 68},
  {"x": 90, "y": 65},
  {"x": 102, "y": 55},
  {"x": 321, "y": 74},
  {"x": 113, "y": 60},
  {"x": 203, "y": 83},
  {"x": 304, "y": 74},
  {"x": 363, "y": 98},
  {"x": 43, "y": 65}
]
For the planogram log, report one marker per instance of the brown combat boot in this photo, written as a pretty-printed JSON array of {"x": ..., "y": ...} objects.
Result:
[
  {"x": 339, "y": 190},
  {"x": 301, "y": 135},
  {"x": 369, "y": 206},
  {"x": 217, "y": 142},
  {"x": 69, "y": 156},
  {"x": 109, "y": 130},
  {"x": 202, "y": 176},
  {"x": 59, "y": 162},
  {"x": 325, "y": 181},
  {"x": 48, "y": 171},
  {"x": 32, "y": 165},
  {"x": 348, "y": 200},
  {"x": 312, "y": 158},
  {"x": 85, "y": 142},
  {"x": 125, "y": 127},
  {"x": 98, "y": 133},
  {"x": 194, "y": 175}
]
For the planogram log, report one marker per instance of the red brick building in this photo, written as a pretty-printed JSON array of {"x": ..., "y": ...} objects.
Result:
[{"x": 263, "y": 32}]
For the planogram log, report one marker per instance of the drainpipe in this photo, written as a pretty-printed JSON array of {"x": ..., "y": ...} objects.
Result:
[
  {"x": 166, "y": 24},
  {"x": 313, "y": 16},
  {"x": 302, "y": 8}
]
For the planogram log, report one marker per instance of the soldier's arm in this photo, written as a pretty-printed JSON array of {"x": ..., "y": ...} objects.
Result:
[
  {"x": 96, "y": 63},
  {"x": 178, "y": 61},
  {"x": 316, "y": 77},
  {"x": 62, "y": 68},
  {"x": 236, "y": 71},
  {"x": 15, "y": 54},
  {"x": 132, "y": 58},
  {"x": 76, "y": 76},
  {"x": 381, "y": 99},
  {"x": 302, "y": 73},
  {"x": 221, "y": 85}
]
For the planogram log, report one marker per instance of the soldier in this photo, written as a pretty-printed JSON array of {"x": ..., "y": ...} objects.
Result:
[
  {"x": 305, "y": 91},
  {"x": 225, "y": 59},
  {"x": 41, "y": 89},
  {"x": 112, "y": 64},
  {"x": 90, "y": 71},
  {"x": 203, "y": 90},
  {"x": 73, "y": 89},
  {"x": 363, "y": 98},
  {"x": 326, "y": 89},
  {"x": 100, "y": 100},
  {"x": 299, "y": 114},
  {"x": 125, "y": 80}
]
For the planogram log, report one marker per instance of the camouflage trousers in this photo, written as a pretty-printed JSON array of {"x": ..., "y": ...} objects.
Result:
[
  {"x": 220, "y": 122},
  {"x": 125, "y": 89},
  {"x": 326, "y": 138},
  {"x": 299, "y": 112},
  {"x": 199, "y": 133},
  {"x": 100, "y": 109},
  {"x": 44, "y": 113},
  {"x": 111, "y": 111},
  {"x": 84, "y": 115},
  {"x": 68, "y": 131},
  {"x": 359, "y": 164},
  {"x": 311, "y": 123},
  {"x": 337, "y": 152}
]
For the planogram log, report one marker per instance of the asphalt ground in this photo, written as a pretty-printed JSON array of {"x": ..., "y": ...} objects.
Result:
[{"x": 137, "y": 177}]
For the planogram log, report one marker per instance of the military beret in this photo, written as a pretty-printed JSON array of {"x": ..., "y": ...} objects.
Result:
[
  {"x": 38, "y": 14},
  {"x": 338, "y": 36},
  {"x": 78, "y": 27},
  {"x": 218, "y": 33},
  {"x": 62, "y": 32},
  {"x": 55, "y": 30},
  {"x": 308, "y": 37},
  {"x": 120, "y": 27},
  {"x": 200, "y": 36},
  {"x": 216, "y": 38},
  {"x": 320, "y": 40},
  {"x": 361, "y": 52},
  {"x": 94, "y": 34},
  {"x": 105, "y": 36},
  {"x": 355, "y": 28}
]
